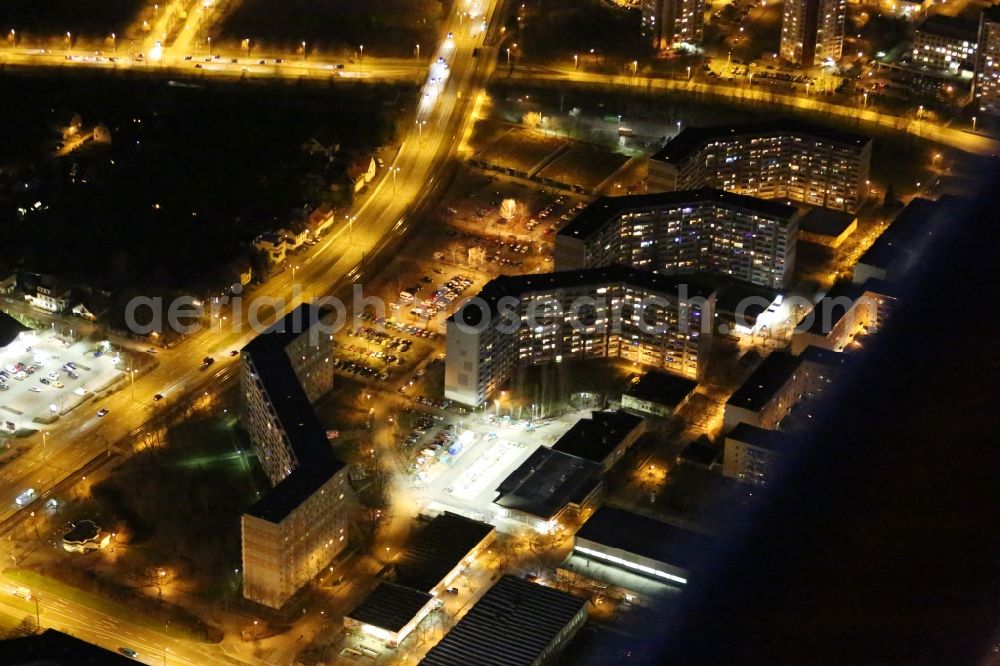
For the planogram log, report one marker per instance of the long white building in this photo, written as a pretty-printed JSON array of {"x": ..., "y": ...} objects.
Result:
[
  {"x": 301, "y": 524},
  {"x": 689, "y": 231},
  {"x": 781, "y": 159},
  {"x": 610, "y": 312}
]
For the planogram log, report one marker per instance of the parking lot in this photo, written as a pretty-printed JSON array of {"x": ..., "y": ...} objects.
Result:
[
  {"x": 41, "y": 376},
  {"x": 458, "y": 461}
]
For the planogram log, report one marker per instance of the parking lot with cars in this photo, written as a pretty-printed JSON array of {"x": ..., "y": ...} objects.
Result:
[{"x": 42, "y": 376}]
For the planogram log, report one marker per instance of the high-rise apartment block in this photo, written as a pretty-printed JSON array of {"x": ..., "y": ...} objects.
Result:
[
  {"x": 689, "y": 231},
  {"x": 673, "y": 23},
  {"x": 812, "y": 31},
  {"x": 987, "y": 91},
  {"x": 615, "y": 311},
  {"x": 301, "y": 524},
  {"x": 780, "y": 159}
]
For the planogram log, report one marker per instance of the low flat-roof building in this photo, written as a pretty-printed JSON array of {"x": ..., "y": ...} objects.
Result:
[
  {"x": 641, "y": 544},
  {"x": 432, "y": 560},
  {"x": 658, "y": 393},
  {"x": 824, "y": 226},
  {"x": 390, "y": 612},
  {"x": 778, "y": 384},
  {"x": 909, "y": 235},
  {"x": 604, "y": 438},
  {"x": 547, "y": 486},
  {"x": 751, "y": 453},
  {"x": 516, "y": 623},
  {"x": 86, "y": 535}
]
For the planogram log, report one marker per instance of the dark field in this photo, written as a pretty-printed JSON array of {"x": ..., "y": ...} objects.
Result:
[
  {"x": 37, "y": 20},
  {"x": 384, "y": 27}
]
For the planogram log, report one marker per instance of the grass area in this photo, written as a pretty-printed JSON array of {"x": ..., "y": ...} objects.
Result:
[
  {"x": 33, "y": 20},
  {"x": 181, "y": 505},
  {"x": 39, "y": 583},
  {"x": 384, "y": 27}
]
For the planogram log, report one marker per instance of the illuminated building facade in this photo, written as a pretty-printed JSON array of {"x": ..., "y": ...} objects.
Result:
[
  {"x": 987, "y": 91},
  {"x": 298, "y": 526},
  {"x": 612, "y": 312},
  {"x": 812, "y": 31},
  {"x": 672, "y": 23},
  {"x": 945, "y": 44},
  {"x": 692, "y": 231},
  {"x": 771, "y": 160},
  {"x": 750, "y": 454}
]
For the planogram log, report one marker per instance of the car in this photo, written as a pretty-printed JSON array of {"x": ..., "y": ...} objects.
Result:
[
  {"x": 234, "y": 61},
  {"x": 58, "y": 385},
  {"x": 25, "y": 497},
  {"x": 450, "y": 36},
  {"x": 129, "y": 652},
  {"x": 452, "y": 590},
  {"x": 23, "y": 592},
  {"x": 440, "y": 60},
  {"x": 34, "y": 389},
  {"x": 207, "y": 361},
  {"x": 187, "y": 57},
  {"x": 235, "y": 352},
  {"x": 151, "y": 350},
  {"x": 261, "y": 62},
  {"x": 158, "y": 397},
  {"x": 198, "y": 65},
  {"x": 44, "y": 380},
  {"x": 72, "y": 375},
  {"x": 103, "y": 412},
  {"x": 278, "y": 61}
]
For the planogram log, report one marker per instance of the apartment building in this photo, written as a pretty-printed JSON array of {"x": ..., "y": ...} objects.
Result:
[
  {"x": 778, "y": 384},
  {"x": 812, "y": 32},
  {"x": 610, "y": 312},
  {"x": 301, "y": 524},
  {"x": 781, "y": 159},
  {"x": 987, "y": 88},
  {"x": 688, "y": 231},
  {"x": 750, "y": 454},
  {"x": 945, "y": 44},
  {"x": 673, "y": 23}
]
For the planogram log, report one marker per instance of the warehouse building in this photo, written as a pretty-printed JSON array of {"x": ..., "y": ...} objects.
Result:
[
  {"x": 390, "y": 612},
  {"x": 604, "y": 438},
  {"x": 516, "y": 623}
]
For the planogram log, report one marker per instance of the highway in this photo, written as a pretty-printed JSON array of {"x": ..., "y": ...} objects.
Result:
[
  {"x": 443, "y": 115},
  {"x": 956, "y": 138}
]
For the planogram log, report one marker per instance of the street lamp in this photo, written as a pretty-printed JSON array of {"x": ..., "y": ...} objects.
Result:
[
  {"x": 973, "y": 117},
  {"x": 361, "y": 47},
  {"x": 508, "y": 56},
  {"x": 114, "y": 42},
  {"x": 69, "y": 39},
  {"x": 418, "y": 51},
  {"x": 576, "y": 60},
  {"x": 865, "y": 105},
  {"x": 635, "y": 68},
  {"x": 303, "y": 51},
  {"x": 689, "y": 72}
]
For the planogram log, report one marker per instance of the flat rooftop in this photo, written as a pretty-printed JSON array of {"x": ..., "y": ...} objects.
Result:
[
  {"x": 390, "y": 606},
  {"x": 662, "y": 388},
  {"x": 520, "y": 286},
  {"x": 546, "y": 482},
  {"x": 316, "y": 462},
  {"x": 512, "y": 625},
  {"x": 916, "y": 222},
  {"x": 583, "y": 165},
  {"x": 692, "y": 138},
  {"x": 521, "y": 150},
  {"x": 765, "y": 381},
  {"x": 771, "y": 440},
  {"x": 604, "y": 209},
  {"x": 647, "y": 537},
  {"x": 437, "y": 549},
  {"x": 951, "y": 27},
  {"x": 595, "y": 438},
  {"x": 700, "y": 453},
  {"x": 826, "y": 222}
]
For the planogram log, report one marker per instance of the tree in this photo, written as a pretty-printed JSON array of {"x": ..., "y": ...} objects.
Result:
[
  {"x": 890, "y": 197},
  {"x": 508, "y": 209},
  {"x": 532, "y": 119}
]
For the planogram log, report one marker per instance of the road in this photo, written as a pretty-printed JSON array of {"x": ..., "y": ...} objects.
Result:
[
  {"x": 956, "y": 138},
  {"x": 442, "y": 117}
]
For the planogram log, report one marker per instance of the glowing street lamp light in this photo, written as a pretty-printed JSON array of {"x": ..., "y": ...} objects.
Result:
[
  {"x": 114, "y": 42},
  {"x": 635, "y": 68},
  {"x": 418, "y": 51},
  {"x": 576, "y": 61},
  {"x": 303, "y": 51},
  {"x": 361, "y": 48}
]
